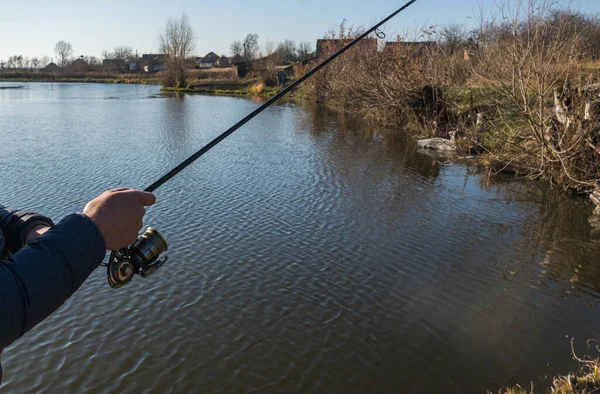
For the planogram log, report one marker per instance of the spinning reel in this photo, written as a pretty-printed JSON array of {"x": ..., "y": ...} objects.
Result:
[{"x": 141, "y": 257}]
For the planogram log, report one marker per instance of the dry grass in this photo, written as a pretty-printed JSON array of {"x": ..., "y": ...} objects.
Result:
[{"x": 501, "y": 101}]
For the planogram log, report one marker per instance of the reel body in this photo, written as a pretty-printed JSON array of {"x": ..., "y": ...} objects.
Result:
[{"x": 141, "y": 257}]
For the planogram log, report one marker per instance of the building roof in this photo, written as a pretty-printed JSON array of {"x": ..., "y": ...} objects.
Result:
[
  {"x": 237, "y": 59},
  {"x": 152, "y": 57},
  {"x": 211, "y": 57},
  {"x": 50, "y": 66}
]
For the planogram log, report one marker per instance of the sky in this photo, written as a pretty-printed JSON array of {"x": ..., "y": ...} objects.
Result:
[{"x": 32, "y": 28}]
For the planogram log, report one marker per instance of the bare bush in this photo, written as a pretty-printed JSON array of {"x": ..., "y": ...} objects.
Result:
[{"x": 530, "y": 61}]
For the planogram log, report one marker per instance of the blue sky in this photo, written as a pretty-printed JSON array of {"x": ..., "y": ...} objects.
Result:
[{"x": 31, "y": 28}]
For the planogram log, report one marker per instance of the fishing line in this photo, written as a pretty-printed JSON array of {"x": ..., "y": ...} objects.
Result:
[{"x": 162, "y": 180}]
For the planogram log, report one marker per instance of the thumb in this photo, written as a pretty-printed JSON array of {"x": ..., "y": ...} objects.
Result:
[{"x": 145, "y": 198}]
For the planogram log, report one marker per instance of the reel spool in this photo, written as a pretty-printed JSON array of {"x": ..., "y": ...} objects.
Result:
[{"x": 141, "y": 257}]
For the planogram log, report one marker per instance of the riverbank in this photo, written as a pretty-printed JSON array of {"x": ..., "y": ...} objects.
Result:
[
  {"x": 585, "y": 382},
  {"x": 228, "y": 87},
  {"x": 75, "y": 77}
]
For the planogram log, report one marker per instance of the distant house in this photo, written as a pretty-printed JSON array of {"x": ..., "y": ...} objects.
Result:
[
  {"x": 51, "y": 67},
  {"x": 415, "y": 48},
  {"x": 223, "y": 61},
  {"x": 153, "y": 62},
  {"x": 79, "y": 65},
  {"x": 207, "y": 61},
  {"x": 236, "y": 60},
  {"x": 326, "y": 46},
  {"x": 110, "y": 64}
]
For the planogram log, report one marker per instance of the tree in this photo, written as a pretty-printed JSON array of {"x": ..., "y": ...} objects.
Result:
[
  {"x": 176, "y": 42},
  {"x": 236, "y": 48},
  {"x": 63, "y": 50},
  {"x": 454, "y": 37},
  {"x": 305, "y": 49},
  {"x": 44, "y": 61},
  {"x": 122, "y": 55},
  {"x": 250, "y": 46},
  {"x": 92, "y": 60},
  {"x": 35, "y": 61},
  {"x": 286, "y": 51}
]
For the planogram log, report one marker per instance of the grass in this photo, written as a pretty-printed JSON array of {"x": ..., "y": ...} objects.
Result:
[
  {"x": 586, "y": 382},
  {"x": 46, "y": 77},
  {"x": 228, "y": 87}
]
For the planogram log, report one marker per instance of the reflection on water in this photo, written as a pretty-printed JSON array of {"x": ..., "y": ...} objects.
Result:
[{"x": 308, "y": 253}]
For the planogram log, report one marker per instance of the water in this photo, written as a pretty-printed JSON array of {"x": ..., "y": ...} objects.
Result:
[{"x": 308, "y": 253}]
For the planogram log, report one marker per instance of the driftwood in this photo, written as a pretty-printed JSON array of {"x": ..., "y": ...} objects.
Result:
[{"x": 437, "y": 144}]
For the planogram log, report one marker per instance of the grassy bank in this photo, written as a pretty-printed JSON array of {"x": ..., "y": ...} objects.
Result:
[
  {"x": 587, "y": 381},
  {"x": 78, "y": 77},
  {"x": 228, "y": 87}
]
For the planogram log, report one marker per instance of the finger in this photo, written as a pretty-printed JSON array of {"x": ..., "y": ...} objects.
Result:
[
  {"x": 141, "y": 211},
  {"x": 146, "y": 199},
  {"x": 119, "y": 189}
]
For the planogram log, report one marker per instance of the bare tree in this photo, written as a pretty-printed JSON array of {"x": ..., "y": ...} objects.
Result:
[
  {"x": 287, "y": 51},
  {"x": 92, "y": 60},
  {"x": 15, "y": 62},
  {"x": 122, "y": 55},
  {"x": 250, "y": 46},
  {"x": 236, "y": 48},
  {"x": 44, "y": 61},
  {"x": 305, "y": 49},
  {"x": 35, "y": 61},
  {"x": 63, "y": 50},
  {"x": 454, "y": 37},
  {"x": 177, "y": 42}
]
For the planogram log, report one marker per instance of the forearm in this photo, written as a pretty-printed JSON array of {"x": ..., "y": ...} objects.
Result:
[{"x": 39, "y": 278}]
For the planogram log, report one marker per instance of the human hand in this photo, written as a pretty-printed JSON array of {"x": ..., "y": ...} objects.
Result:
[{"x": 118, "y": 214}]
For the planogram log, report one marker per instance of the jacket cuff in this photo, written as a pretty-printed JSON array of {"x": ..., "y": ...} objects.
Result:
[
  {"x": 100, "y": 244},
  {"x": 20, "y": 222}
]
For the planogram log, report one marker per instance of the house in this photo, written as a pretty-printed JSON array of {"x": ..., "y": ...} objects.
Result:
[
  {"x": 287, "y": 70},
  {"x": 223, "y": 61},
  {"x": 415, "y": 48},
  {"x": 207, "y": 61},
  {"x": 326, "y": 46},
  {"x": 79, "y": 65},
  {"x": 284, "y": 73},
  {"x": 153, "y": 62},
  {"x": 110, "y": 64},
  {"x": 236, "y": 60},
  {"x": 51, "y": 67}
]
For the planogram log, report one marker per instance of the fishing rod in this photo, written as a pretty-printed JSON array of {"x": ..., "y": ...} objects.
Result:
[{"x": 142, "y": 257}]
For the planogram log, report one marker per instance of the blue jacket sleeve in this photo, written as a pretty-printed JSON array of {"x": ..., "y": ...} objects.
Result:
[{"x": 39, "y": 278}]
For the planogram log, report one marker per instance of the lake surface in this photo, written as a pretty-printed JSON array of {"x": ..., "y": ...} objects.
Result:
[{"x": 308, "y": 254}]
